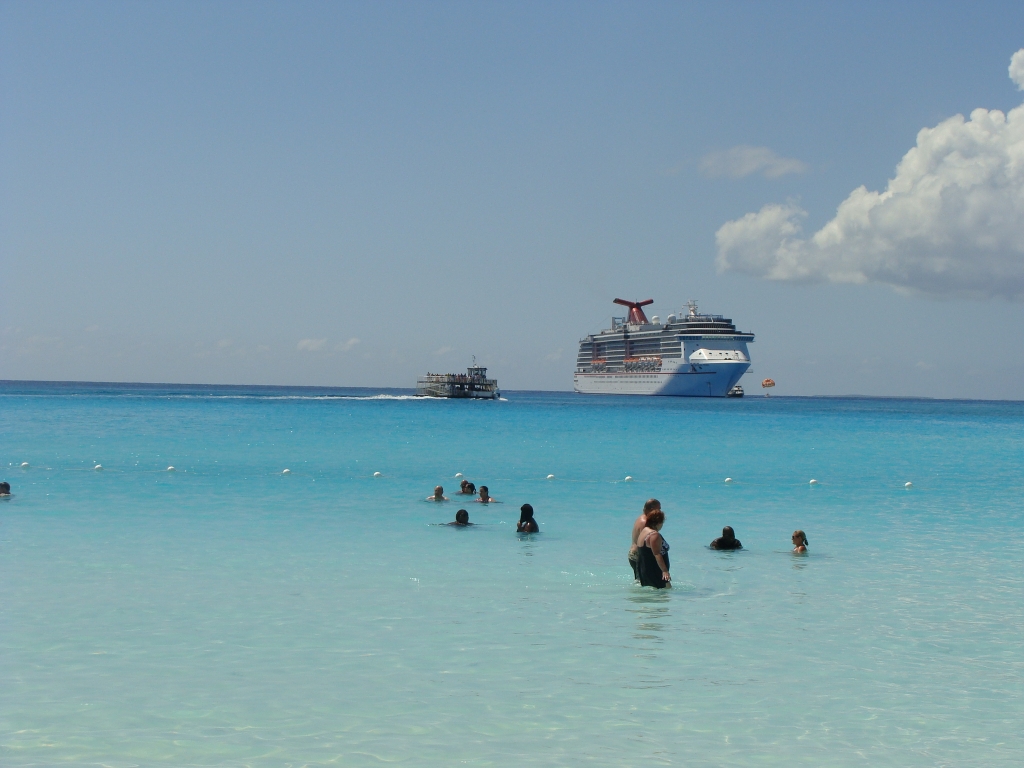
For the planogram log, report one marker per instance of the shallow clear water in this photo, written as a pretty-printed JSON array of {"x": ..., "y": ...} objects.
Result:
[{"x": 227, "y": 614}]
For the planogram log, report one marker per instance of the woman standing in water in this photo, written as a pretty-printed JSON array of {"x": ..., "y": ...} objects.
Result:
[
  {"x": 652, "y": 551},
  {"x": 799, "y": 542},
  {"x": 526, "y": 522}
]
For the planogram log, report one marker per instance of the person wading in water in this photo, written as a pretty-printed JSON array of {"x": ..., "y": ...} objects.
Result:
[{"x": 638, "y": 525}]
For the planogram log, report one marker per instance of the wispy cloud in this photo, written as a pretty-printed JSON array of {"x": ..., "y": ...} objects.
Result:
[
  {"x": 311, "y": 345},
  {"x": 345, "y": 346},
  {"x": 444, "y": 350},
  {"x": 744, "y": 160},
  {"x": 554, "y": 357},
  {"x": 36, "y": 344}
]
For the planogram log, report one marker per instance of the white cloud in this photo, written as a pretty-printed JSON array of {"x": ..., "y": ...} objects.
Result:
[
  {"x": 744, "y": 160},
  {"x": 311, "y": 345},
  {"x": 950, "y": 223},
  {"x": 1017, "y": 68},
  {"x": 345, "y": 346},
  {"x": 444, "y": 350}
]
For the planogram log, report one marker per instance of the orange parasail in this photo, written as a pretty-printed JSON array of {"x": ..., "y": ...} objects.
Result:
[{"x": 768, "y": 383}]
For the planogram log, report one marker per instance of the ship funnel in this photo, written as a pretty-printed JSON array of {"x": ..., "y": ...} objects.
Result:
[{"x": 636, "y": 314}]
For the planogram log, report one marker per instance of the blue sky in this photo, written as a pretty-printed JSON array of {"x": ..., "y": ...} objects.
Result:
[{"x": 353, "y": 194}]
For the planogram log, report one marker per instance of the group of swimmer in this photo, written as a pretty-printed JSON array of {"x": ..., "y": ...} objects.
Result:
[
  {"x": 466, "y": 488},
  {"x": 526, "y": 522},
  {"x": 648, "y": 551}
]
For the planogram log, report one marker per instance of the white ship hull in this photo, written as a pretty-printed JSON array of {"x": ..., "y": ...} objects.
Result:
[
  {"x": 685, "y": 380},
  {"x": 693, "y": 354}
]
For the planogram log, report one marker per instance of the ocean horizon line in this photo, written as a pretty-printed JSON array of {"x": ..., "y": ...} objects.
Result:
[{"x": 385, "y": 389}]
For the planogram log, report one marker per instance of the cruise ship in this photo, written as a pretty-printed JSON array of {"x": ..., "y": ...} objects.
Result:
[{"x": 689, "y": 355}]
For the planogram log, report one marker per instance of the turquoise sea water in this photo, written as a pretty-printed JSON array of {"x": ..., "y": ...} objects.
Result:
[{"x": 227, "y": 614}]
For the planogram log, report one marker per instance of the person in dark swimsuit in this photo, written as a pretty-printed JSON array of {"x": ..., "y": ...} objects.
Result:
[
  {"x": 485, "y": 495},
  {"x": 638, "y": 525},
  {"x": 727, "y": 540},
  {"x": 526, "y": 522},
  {"x": 652, "y": 551}
]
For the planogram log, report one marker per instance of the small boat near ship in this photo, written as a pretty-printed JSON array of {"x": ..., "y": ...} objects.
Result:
[
  {"x": 471, "y": 385},
  {"x": 736, "y": 391}
]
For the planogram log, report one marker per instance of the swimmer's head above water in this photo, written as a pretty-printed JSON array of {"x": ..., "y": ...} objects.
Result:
[
  {"x": 461, "y": 518},
  {"x": 799, "y": 541},
  {"x": 5, "y": 489},
  {"x": 727, "y": 540},
  {"x": 526, "y": 522},
  {"x": 438, "y": 494},
  {"x": 485, "y": 495}
]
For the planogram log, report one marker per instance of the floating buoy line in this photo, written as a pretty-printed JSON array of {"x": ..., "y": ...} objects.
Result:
[{"x": 628, "y": 478}]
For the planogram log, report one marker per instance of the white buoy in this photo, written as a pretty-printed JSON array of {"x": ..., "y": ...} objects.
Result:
[
  {"x": 551, "y": 477},
  {"x": 728, "y": 479},
  {"x": 458, "y": 475},
  {"x": 813, "y": 482},
  {"x": 170, "y": 469},
  {"x": 377, "y": 474},
  {"x": 98, "y": 466},
  {"x": 24, "y": 465},
  {"x": 629, "y": 478},
  {"x": 908, "y": 485},
  {"x": 286, "y": 472}
]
